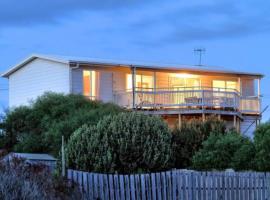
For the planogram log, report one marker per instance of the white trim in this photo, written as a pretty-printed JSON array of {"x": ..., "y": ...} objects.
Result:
[{"x": 29, "y": 59}]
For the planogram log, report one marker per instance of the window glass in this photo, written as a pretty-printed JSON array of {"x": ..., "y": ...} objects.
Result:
[
  {"x": 231, "y": 85},
  {"x": 178, "y": 82},
  {"x": 142, "y": 81},
  {"x": 192, "y": 82},
  {"x": 89, "y": 83},
  {"x": 224, "y": 85},
  {"x": 219, "y": 84},
  {"x": 86, "y": 83}
]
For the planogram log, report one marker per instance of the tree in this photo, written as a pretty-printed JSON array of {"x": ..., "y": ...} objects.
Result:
[
  {"x": 39, "y": 126},
  {"x": 189, "y": 138},
  {"x": 124, "y": 143},
  {"x": 231, "y": 150}
]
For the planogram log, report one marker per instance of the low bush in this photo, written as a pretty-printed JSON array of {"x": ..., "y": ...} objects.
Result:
[
  {"x": 230, "y": 150},
  {"x": 124, "y": 143},
  {"x": 188, "y": 139}
]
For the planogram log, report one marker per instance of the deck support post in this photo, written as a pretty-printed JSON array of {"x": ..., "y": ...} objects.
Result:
[
  {"x": 240, "y": 86},
  {"x": 259, "y": 87},
  {"x": 238, "y": 125},
  {"x": 234, "y": 121},
  {"x": 203, "y": 114},
  {"x": 259, "y": 94},
  {"x": 179, "y": 121},
  {"x": 63, "y": 157},
  {"x": 219, "y": 116},
  {"x": 203, "y": 117},
  {"x": 155, "y": 88},
  {"x": 133, "y": 86},
  {"x": 258, "y": 122}
]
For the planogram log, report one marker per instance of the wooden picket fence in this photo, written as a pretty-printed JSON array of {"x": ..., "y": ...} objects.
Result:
[{"x": 174, "y": 185}]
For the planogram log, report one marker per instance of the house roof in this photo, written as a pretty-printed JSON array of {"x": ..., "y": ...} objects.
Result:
[
  {"x": 95, "y": 61},
  {"x": 32, "y": 156}
]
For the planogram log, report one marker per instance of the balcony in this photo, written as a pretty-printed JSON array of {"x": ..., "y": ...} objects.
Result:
[{"x": 206, "y": 98}]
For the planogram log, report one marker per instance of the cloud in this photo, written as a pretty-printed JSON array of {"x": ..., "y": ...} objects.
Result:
[
  {"x": 204, "y": 20},
  {"x": 150, "y": 23},
  {"x": 29, "y": 12}
]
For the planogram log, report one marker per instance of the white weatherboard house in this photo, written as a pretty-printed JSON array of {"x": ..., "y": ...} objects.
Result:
[{"x": 175, "y": 92}]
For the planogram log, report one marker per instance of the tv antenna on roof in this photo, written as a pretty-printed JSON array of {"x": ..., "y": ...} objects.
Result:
[{"x": 200, "y": 51}]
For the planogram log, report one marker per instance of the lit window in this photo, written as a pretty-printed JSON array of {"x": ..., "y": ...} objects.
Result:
[
  {"x": 89, "y": 83},
  {"x": 142, "y": 81},
  {"x": 231, "y": 85},
  {"x": 219, "y": 85},
  {"x": 224, "y": 85},
  {"x": 178, "y": 81}
]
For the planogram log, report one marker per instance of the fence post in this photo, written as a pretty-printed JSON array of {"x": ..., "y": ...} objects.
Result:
[
  {"x": 190, "y": 185},
  {"x": 63, "y": 158}
]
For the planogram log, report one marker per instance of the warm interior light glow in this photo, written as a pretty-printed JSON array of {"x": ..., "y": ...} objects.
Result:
[
  {"x": 231, "y": 85},
  {"x": 142, "y": 81},
  {"x": 224, "y": 85},
  {"x": 93, "y": 83},
  {"x": 184, "y": 80},
  {"x": 219, "y": 84},
  {"x": 89, "y": 83},
  {"x": 86, "y": 83},
  {"x": 184, "y": 75}
]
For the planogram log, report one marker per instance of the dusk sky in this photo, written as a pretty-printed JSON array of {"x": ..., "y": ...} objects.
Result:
[{"x": 235, "y": 34}]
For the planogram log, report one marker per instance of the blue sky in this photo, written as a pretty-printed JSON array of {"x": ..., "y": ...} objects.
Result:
[{"x": 235, "y": 34}]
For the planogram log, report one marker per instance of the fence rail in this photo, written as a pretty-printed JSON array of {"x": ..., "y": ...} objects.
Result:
[{"x": 174, "y": 185}]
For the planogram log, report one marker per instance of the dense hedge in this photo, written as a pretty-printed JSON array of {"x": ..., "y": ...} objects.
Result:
[
  {"x": 124, "y": 143},
  {"x": 230, "y": 150},
  {"x": 262, "y": 145},
  {"x": 188, "y": 139},
  {"x": 39, "y": 126}
]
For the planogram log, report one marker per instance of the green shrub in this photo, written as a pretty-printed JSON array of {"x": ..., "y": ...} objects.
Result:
[
  {"x": 231, "y": 150},
  {"x": 124, "y": 143},
  {"x": 15, "y": 123},
  {"x": 262, "y": 141},
  {"x": 188, "y": 139},
  {"x": 39, "y": 127},
  {"x": 243, "y": 158}
]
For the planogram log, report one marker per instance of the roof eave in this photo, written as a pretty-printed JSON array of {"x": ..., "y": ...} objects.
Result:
[
  {"x": 168, "y": 69},
  {"x": 66, "y": 61}
]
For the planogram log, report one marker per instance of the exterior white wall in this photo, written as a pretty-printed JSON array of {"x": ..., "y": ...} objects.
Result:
[
  {"x": 119, "y": 81},
  {"x": 248, "y": 126},
  {"x": 35, "y": 78},
  {"x": 106, "y": 86},
  {"x": 248, "y": 88},
  {"x": 77, "y": 81}
]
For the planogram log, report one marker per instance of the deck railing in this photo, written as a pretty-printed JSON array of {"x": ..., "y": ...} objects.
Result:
[
  {"x": 250, "y": 104},
  {"x": 189, "y": 98}
]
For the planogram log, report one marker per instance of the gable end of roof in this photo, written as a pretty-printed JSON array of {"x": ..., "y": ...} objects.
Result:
[{"x": 28, "y": 60}]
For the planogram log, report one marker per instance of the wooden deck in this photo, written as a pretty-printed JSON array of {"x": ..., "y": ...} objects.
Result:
[{"x": 188, "y": 100}]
